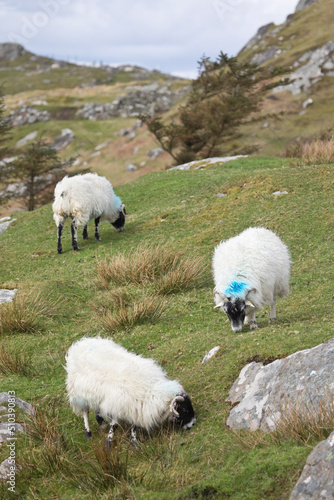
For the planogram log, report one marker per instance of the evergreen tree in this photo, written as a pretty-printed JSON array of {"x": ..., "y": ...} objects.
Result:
[
  {"x": 37, "y": 170},
  {"x": 223, "y": 97}
]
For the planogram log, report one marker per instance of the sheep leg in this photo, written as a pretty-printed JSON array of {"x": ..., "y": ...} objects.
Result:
[
  {"x": 74, "y": 230},
  {"x": 134, "y": 437},
  {"x": 110, "y": 437},
  {"x": 251, "y": 320},
  {"x": 88, "y": 433},
  {"x": 272, "y": 311},
  {"x": 85, "y": 233},
  {"x": 60, "y": 232},
  {"x": 97, "y": 234}
]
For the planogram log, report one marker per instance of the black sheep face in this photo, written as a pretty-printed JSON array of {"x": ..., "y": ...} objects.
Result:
[
  {"x": 120, "y": 221},
  {"x": 184, "y": 414},
  {"x": 236, "y": 312}
]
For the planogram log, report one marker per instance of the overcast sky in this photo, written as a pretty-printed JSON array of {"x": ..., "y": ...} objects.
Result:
[{"x": 169, "y": 35}]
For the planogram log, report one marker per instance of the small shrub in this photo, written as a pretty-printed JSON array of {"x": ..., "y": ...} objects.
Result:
[
  {"x": 302, "y": 421},
  {"x": 24, "y": 314},
  {"x": 148, "y": 308},
  {"x": 185, "y": 275},
  {"x": 14, "y": 362},
  {"x": 148, "y": 265},
  {"x": 318, "y": 152}
]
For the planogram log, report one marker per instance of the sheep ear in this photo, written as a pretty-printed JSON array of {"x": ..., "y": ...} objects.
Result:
[
  {"x": 248, "y": 303},
  {"x": 123, "y": 210}
]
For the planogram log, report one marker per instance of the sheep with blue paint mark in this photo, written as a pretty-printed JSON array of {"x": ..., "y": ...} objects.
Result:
[
  {"x": 83, "y": 198},
  {"x": 250, "y": 271}
]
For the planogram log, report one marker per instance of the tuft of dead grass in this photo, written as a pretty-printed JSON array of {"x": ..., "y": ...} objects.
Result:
[
  {"x": 304, "y": 421},
  {"x": 318, "y": 152},
  {"x": 14, "y": 362},
  {"x": 24, "y": 313},
  {"x": 124, "y": 313},
  {"x": 146, "y": 265}
]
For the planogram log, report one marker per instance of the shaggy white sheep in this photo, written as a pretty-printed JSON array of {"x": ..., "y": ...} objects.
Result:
[
  {"x": 86, "y": 197},
  {"x": 250, "y": 271},
  {"x": 119, "y": 385}
]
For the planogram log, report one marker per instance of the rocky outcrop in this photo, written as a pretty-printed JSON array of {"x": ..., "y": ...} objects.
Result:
[
  {"x": 11, "y": 51},
  {"x": 259, "y": 35},
  {"x": 201, "y": 164},
  {"x": 319, "y": 63},
  {"x": 4, "y": 224},
  {"x": 67, "y": 136},
  {"x": 303, "y": 380},
  {"x": 262, "y": 57},
  {"x": 140, "y": 100},
  {"x": 27, "y": 114},
  {"x": 7, "y": 296},
  {"x": 317, "y": 479},
  {"x": 304, "y": 3}
]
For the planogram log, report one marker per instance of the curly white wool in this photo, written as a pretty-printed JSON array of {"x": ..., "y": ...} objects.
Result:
[
  {"x": 253, "y": 267},
  {"x": 105, "y": 377},
  {"x": 85, "y": 197}
]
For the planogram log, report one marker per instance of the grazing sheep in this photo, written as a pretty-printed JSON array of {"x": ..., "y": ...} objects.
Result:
[
  {"x": 250, "y": 271},
  {"x": 119, "y": 385},
  {"x": 86, "y": 197}
]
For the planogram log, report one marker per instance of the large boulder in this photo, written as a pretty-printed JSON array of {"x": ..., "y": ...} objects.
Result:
[
  {"x": 261, "y": 393},
  {"x": 11, "y": 51},
  {"x": 303, "y": 3},
  {"x": 317, "y": 479}
]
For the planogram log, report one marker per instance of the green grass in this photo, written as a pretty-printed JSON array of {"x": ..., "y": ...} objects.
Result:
[{"x": 182, "y": 211}]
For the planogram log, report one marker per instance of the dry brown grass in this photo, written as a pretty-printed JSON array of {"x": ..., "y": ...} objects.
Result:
[
  {"x": 24, "y": 313},
  {"x": 318, "y": 152},
  {"x": 124, "y": 312},
  {"x": 301, "y": 422},
  {"x": 150, "y": 264},
  {"x": 14, "y": 362}
]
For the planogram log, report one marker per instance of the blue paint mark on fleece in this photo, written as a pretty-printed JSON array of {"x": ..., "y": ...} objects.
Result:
[
  {"x": 236, "y": 289},
  {"x": 118, "y": 202}
]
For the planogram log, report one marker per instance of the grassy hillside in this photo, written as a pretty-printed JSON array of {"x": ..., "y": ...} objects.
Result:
[
  {"x": 182, "y": 211},
  {"x": 305, "y": 31}
]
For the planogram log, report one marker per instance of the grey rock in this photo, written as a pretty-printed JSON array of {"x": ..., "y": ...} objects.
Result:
[
  {"x": 262, "y": 57},
  {"x": 11, "y": 51},
  {"x": 26, "y": 407},
  {"x": 8, "y": 430},
  {"x": 67, "y": 136},
  {"x": 307, "y": 103},
  {"x": 27, "y": 138},
  {"x": 221, "y": 195},
  {"x": 317, "y": 479},
  {"x": 6, "y": 468},
  {"x": 3, "y": 226},
  {"x": 131, "y": 168},
  {"x": 27, "y": 115},
  {"x": 304, "y": 3},
  {"x": 155, "y": 153},
  {"x": 140, "y": 100},
  {"x": 279, "y": 193},
  {"x": 305, "y": 378},
  {"x": 311, "y": 72},
  {"x": 210, "y": 354},
  {"x": 7, "y": 296},
  {"x": 258, "y": 36}
]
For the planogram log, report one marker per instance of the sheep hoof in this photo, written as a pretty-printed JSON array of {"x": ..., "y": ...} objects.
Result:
[
  {"x": 59, "y": 250},
  {"x": 88, "y": 434},
  {"x": 271, "y": 320},
  {"x": 253, "y": 325},
  {"x": 107, "y": 443},
  {"x": 134, "y": 444}
]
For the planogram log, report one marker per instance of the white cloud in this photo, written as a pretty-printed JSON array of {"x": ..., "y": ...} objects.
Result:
[{"x": 170, "y": 36}]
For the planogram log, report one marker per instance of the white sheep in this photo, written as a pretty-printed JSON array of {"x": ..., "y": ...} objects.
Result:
[
  {"x": 122, "y": 386},
  {"x": 250, "y": 271},
  {"x": 83, "y": 198}
]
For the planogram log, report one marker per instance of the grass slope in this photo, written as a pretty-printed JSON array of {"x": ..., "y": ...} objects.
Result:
[{"x": 182, "y": 210}]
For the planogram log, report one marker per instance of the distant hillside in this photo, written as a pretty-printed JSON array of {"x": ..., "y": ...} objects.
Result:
[
  {"x": 304, "y": 109},
  {"x": 96, "y": 108}
]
